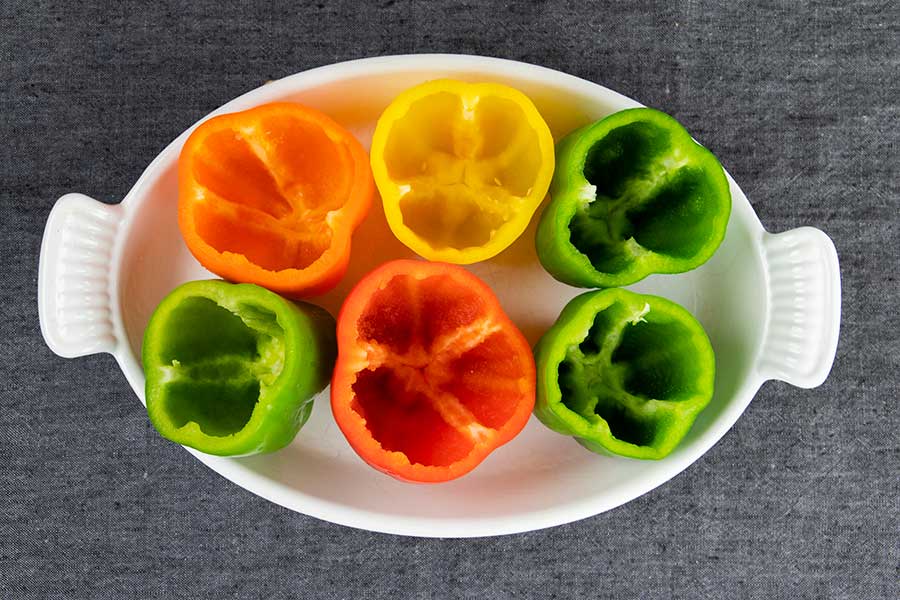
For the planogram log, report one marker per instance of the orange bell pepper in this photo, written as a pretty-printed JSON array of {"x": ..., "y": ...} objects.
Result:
[
  {"x": 461, "y": 168},
  {"x": 272, "y": 195},
  {"x": 431, "y": 375}
]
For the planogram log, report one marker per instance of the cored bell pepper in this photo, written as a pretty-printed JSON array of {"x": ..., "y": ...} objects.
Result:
[
  {"x": 232, "y": 369},
  {"x": 624, "y": 373},
  {"x": 632, "y": 195},
  {"x": 272, "y": 195},
  {"x": 431, "y": 375},
  {"x": 461, "y": 168}
]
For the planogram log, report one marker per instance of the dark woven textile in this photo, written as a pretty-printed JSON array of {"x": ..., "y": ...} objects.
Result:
[{"x": 800, "y": 100}]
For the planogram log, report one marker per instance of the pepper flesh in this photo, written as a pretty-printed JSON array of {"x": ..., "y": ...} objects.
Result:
[
  {"x": 272, "y": 195},
  {"x": 431, "y": 375},
  {"x": 232, "y": 369},
  {"x": 461, "y": 168},
  {"x": 632, "y": 195},
  {"x": 624, "y": 373}
]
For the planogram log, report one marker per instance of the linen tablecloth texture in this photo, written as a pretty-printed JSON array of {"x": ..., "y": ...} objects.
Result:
[{"x": 801, "y": 102}]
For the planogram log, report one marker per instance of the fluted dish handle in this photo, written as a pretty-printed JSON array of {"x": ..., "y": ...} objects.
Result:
[
  {"x": 804, "y": 307},
  {"x": 74, "y": 292}
]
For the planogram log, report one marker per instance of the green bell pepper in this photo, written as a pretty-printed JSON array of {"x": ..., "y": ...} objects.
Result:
[
  {"x": 632, "y": 195},
  {"x": 232, "y": 369},
  {"x": 624, "y": 373}
]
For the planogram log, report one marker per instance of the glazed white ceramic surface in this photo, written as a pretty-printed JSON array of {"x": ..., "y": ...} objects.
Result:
[{"x": 769, "y": 302}]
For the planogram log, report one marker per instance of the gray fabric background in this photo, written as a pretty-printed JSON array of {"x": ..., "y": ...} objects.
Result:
[{"x": 800, "y": 100}]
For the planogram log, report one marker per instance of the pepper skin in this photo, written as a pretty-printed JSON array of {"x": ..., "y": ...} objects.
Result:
[
  {"x": 461, "y": 168},
  {"x": 624, "y": 373},
  {"x": 232, "y": 369},
  {"x": 272, "y": 195},
  {"x": 431, "y": 375},
  {"x": 632, "y": 195}
]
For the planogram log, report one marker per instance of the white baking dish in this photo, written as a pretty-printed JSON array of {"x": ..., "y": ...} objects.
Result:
[{"x": 769, "y": 302}]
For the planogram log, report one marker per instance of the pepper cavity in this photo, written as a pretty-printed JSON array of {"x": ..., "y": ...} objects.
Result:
[
  {"x": 231, "y": 369},
  {"x": 632, "y": 195},
  {"x": 624, "y": 373}
]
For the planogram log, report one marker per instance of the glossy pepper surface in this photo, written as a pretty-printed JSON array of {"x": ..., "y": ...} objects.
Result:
[
  {"x": 232, "y": 369},
  {"x": 624, "y": 373},
  {"x": 461, "y": 168},
  {"x": 632, "y": 195},
  {"x": 431, "y": 375},
  {"x": 272, "y": 195}
]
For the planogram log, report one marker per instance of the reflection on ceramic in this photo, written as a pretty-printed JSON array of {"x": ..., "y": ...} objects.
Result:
[{"x": 770, "y": 304}]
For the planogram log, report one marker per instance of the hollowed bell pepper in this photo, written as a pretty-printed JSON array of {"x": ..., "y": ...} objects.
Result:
[
  {"x": 461, "y": 168},
  {"x": 232, "y": 369},
  {"x": 431, "y": 375},
  {"x": 632, "y": 195},
  {"x": 272, "y": 195},
  {"x": 624, "y": 373}
]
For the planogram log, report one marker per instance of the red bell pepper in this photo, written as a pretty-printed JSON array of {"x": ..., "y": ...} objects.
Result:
[{"x": 431, "y": 374}]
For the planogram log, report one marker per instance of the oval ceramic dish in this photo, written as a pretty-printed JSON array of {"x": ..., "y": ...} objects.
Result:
[{"x": 769, "y": 302}]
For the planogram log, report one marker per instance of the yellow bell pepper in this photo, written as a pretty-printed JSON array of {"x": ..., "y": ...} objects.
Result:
[{"x": 461, "y": 168}]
